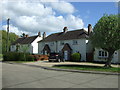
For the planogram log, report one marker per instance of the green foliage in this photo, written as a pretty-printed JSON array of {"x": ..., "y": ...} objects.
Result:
[
  {"x": 76, "y": 57},
  {"x": 12, "y": 38},
  {"x": 0, "y": 42},
  {"x": 30, "y": 58},
  {"x": 1, "y": 56},
  {"x": 15, "y": 56},
  {"x": 106, "y": 33}
]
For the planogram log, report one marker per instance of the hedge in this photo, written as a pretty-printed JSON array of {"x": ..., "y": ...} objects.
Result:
[{"x": 17, "y": 56}]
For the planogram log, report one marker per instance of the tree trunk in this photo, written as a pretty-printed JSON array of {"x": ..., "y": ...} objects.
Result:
[{"x": 110, "y": 56}]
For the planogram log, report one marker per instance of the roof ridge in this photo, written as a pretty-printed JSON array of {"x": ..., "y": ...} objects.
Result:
[{"x": 70, "y": 31}]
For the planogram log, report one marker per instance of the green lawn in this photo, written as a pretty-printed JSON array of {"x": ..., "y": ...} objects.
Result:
[{"x": 88, "y": 68}]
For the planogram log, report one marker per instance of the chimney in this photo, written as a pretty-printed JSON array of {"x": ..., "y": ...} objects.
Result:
[
  {"x": 23, "y": 35},
  {"x": 26, "y": 35},
  {"x": 44, "y": 35},
  {"x": 39, "y": 34},
  {"x": 89, "y": 29},
  {"x": 65, "y": 29}
]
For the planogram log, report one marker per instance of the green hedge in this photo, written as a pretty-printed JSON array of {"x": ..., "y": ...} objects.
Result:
[
  {"x": 1, "y": 55},
  {"x": 76, "y": 57},
  {"x": 17, "y": 56}
]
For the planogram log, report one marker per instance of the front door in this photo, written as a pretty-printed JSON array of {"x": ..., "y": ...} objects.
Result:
[
  {"x": 66, "y": 55},
  {"x": 45, "y": 52}
]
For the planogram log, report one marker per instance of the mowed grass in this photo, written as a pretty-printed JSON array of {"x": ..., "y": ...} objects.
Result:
[{"x": 89, "y": 68}]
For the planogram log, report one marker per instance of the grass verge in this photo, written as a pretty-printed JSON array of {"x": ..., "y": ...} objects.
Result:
[{"x": 88, "y": 68}]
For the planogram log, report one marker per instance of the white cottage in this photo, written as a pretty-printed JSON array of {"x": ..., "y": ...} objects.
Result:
[
  {"x": 26, "y": 44},
  {"x": 101, "y": 55},
  {"x": 66, "y": 42}
]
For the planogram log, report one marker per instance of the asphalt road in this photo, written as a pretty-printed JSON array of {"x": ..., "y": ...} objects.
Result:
[{"x": 21, "y": 76}]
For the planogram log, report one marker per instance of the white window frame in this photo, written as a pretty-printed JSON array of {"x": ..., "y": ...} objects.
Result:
[
  {"x": 61, "y": 42},
  {"x": 51, "y": 43},
  {"x": 75, "y": 42},
  {"x": 102, "y": 54}
]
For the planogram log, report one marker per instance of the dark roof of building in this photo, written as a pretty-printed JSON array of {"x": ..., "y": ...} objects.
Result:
[
  {"x": 25, "y": 40},
  {"x": 75, "y": 34}
]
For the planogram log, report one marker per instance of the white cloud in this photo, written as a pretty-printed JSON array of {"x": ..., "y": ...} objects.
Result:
[
  {"x": 63, "y": 7},
  {"x": 74, "y": 22},
  {"x": 41, "y": 16},
  {"x": 14, "y": 29}
]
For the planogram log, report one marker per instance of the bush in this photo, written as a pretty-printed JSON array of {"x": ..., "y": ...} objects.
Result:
[
  {"x": 1, "y": 56},
  {"x": 10, "y": 56},
  {"x": 15, "y": 56},
  {"x": 76, "y": 57},
  {"x": 30, "y": 58}
]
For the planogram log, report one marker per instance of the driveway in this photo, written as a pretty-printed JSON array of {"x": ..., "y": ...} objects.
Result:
[
  {"x": 50, "y": 64},
  {"x": 21, "y": 76}
]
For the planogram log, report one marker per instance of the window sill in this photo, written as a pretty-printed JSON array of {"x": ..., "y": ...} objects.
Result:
[{"x": 103, "y": 57}]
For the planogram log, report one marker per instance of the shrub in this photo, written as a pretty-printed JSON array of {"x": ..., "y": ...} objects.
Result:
[
  {"x": 76, "y": 57},
  {"x": 1, "y": 56},
  {"x": 10, "y": 56},
  {"x": 17, "y": 56},
  {"x": 30, "y": 58}
]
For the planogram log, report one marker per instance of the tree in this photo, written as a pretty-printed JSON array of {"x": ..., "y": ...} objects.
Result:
[
  {"x": 106, "y": 35},
  {"x": 25, "y": 49},
  {"x": 12, "y": 38}
]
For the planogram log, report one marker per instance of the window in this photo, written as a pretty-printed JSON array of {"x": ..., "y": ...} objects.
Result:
[
  {"x": 61, "y": 42},
  {"x": 115, "y": 52},
  {"x": 52, "y": 43},
  {"x": 103, "y": 54},
  {"x": 75, "y": 42}
]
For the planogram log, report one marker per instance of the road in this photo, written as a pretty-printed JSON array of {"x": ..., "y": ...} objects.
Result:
[{"x": 21, "y": 76}]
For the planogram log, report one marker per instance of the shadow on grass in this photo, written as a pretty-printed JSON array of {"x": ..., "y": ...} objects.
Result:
[{"x": 79, "y": 66}]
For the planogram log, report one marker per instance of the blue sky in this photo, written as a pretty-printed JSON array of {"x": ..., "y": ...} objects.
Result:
[
  {"x": 91, "y": 12},
  {"x": 31, "y": 18}
]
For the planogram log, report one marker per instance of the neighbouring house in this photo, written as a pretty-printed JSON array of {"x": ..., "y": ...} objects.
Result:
[
  {"x": 26, "y": 44},
  {"x": 101, "y": 55},
  {"x": 67, "y": 43}
]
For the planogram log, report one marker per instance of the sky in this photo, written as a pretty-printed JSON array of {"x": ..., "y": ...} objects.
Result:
[{"x": 30, "y": 17}]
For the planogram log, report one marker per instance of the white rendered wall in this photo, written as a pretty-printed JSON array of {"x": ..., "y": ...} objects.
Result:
[
  {"x": 115, "y": 58},
  {"x": 80, "y": 47}
]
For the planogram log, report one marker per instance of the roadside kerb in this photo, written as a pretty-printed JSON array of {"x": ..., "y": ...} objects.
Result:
[{"x": 67, "y": 70}]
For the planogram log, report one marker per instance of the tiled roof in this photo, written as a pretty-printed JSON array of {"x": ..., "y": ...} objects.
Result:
[
  {"x": 25, "y": 40},
  {"x": 75, "y": 34}
]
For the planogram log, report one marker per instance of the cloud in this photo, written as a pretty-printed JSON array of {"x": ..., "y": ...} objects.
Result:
[
  {"x": 63, "y": 7},
  {"x": 14, "y": 29},
  {"x": 41, "y": 16}
]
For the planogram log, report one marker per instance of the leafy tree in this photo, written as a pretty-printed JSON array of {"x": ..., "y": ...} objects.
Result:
[
  {"x": 106, "y": 35},
  {"x": 12, "y": 38}
]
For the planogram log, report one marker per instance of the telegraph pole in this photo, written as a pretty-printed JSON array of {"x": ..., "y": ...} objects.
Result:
[{"x": 7, "y": 46}]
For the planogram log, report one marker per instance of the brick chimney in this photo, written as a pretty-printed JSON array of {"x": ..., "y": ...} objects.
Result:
[
  {"x": 65, "y": 29},
  {"x": 26, "y": 35},
  {"x": 39, "y": 34},
  {"x": 89, "y": 29},
  {"x": 44, "y": 35}
]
